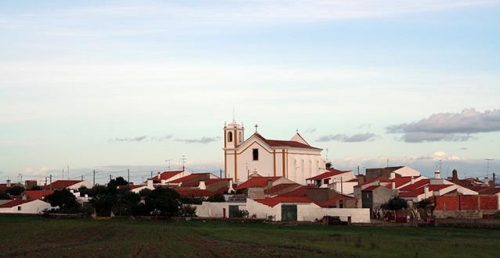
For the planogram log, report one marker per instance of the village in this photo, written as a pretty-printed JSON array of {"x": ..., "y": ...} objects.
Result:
[{"x": 281, "y": 181}]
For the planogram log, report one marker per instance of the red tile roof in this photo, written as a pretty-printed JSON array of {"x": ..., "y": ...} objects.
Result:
[
  {"x": 194, "y": 192},
  {"x": 280, "y": 143},
  {"x": 283, "y": 199},
  {"x": 33, "y": 195},
  {"x": 167, "y": 174},
  {"x": 3, "y": 187},
  {"x": 60, "y": 184},
  {"x": 256, "y": 182},
  {"x": 399, "y": 181},
  {"x": 14, "y": 203},
  {"x": 281, "y": 187},
  {"x": 421, "y": 190},
  {"x": 191, "y": 177},
  {"x": 331, "y": 172},
  {"x": 216, "y": 181},
  {"x": 490, "y": 190},
  {"x": 301, "y": 191},
  {"x": 333, "y": 201},
  {"x": 420, "y": 183}
]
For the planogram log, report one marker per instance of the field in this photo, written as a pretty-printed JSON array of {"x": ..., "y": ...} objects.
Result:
[{"x": 42, "y": 237}]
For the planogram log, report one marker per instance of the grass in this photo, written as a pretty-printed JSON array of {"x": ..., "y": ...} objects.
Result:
[{"x": 41, "y": 237}]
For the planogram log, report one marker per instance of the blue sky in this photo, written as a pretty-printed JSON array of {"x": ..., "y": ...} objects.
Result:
[{"x": 117, "y": 84}]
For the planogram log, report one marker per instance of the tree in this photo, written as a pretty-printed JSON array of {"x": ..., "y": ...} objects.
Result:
[
  {"x": 65, "y": 200},
  {"x": 395, "y": 204},
  {"x": 126, "y": 202},
  {"x": 115, "y": 183},
  {"x": 15, "y": 190},
  {"x": 163, "y": 201},
  {"x": 217, "y": 198},
  {"x": 4, "y": 196}
]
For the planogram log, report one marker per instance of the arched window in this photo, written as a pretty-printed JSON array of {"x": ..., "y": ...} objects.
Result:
[{"x": 230, "y": 137}]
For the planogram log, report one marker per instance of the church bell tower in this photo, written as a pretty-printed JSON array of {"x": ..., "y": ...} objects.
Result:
[{"x": 233, "y": 137}]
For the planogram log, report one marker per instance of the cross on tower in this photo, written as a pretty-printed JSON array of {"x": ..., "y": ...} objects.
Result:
[{"x": 256, "y": 127}]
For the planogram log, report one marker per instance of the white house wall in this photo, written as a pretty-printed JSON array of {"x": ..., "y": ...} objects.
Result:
[
  {"x": 33, "y": 207},
  {"x": 76, "y": 186},
  {"x": 215, "y": 209},
  {"x": 407, "y": 171}
]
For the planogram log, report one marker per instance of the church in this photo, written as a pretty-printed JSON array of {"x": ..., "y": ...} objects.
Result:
[{"x": 294, "y": 159}]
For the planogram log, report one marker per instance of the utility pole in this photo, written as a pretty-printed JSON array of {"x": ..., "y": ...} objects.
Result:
[
  {"x": 62, "y": 173},
  {"x": 151, "y": 175},
  {"x": 183, "y": 162},
  {"x": 128, "y": 175},
  {"x": 50, "y": 176},
  {"x": 68, "y": 171},
  {"x": 110, "y": 177},
  {"x": 93, "y": 177},
  {"x": 81, "y": 177}
]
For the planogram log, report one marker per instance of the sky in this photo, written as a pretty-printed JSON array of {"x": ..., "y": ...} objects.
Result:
[{"x": 117, "y": 85}]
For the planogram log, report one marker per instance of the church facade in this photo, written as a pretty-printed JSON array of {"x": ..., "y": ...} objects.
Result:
[{"x": 294, "y": 159}]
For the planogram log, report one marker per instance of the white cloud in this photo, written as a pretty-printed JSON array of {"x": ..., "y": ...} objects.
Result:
[{"x": 449, "y": 126}]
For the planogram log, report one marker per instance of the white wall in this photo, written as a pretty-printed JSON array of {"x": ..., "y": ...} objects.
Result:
[
  {"x": 312, "y": 212},
  {"x": 308, "y": 212},
  {"x": 407, "y": 171},
  {"x": 87, "y": 184},
  {"x": 33, "y": 207},
  {"x": 215, "y": 209}
]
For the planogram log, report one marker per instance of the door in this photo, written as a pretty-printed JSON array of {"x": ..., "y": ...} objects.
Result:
[
  {"x": 234, "y": 211},
  {"x": 289, "y": 212}
]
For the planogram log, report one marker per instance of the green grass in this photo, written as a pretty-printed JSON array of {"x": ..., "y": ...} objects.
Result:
[{"x": 41, "y": 237}]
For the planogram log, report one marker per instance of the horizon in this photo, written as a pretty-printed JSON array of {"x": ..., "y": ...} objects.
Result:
[{"x": 119, "y": 85}]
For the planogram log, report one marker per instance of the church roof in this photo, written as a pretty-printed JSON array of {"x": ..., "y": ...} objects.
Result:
[{"x": 281, "y": 143}]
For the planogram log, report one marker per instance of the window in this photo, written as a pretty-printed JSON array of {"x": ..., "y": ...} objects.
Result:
[
  {"x": 230, "y": 137},
  {"x": 255, "y": 154},
  {"x": 18, "y": 208}
]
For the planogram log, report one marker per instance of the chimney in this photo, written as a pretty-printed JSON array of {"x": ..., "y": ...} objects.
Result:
[
  {"x": 437, "y": 174},
  {"x": 8, "y": 183},
  {"x": 494, "y": 182},
  {"x": 454, "y": 175},
  {"x": 393, "y": 185},
  {"x": 149, "y": 184},
  {"x": 426, "y": 191},
  {"x": 392, "y": 175},
  {"x": 328, "y": 165},
  {"x": 269, "y": 184},
  {"x": 202, "y": 185},
  {"x": 412, "y": 180},
  {"x": 158, "y": 175}
]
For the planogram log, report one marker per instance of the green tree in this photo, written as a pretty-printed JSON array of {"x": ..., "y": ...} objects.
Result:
[
  {"x": 65, "y": 200},
  {"x": 126, "y": 202},
  {"x": 216, "y": 198},
  {"x": 395, "y": 204},
  {"x": 15, "y": 190},
  {"x": 4, "y": 196},
  {"x": 163, "y": 201}
]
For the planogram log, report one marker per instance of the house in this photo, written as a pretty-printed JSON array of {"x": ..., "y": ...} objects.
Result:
[
  {"x": 166, "y": 177},
  {"x": 24, "y": 206},
  {"x": 342, "y": 181},
  {"x": 68, "y": 184},
  {"x": 294, "y": 159},
  {"x": 390, "y": 172},
  {"x": 36, "y": 194},
  {"x": 374, "y": 196}
]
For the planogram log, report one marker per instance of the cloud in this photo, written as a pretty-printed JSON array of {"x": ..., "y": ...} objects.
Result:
[
  {"x": 161, "y": 139},
  {"x": 449, "y": 126},
  {"x": 311, "y": 130},
  {"x": 130, "y": 139},
  {"x": 202, "y": 140},
  {"x": 362, "y": 137},
  {"x": 439, "y": 155}
]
